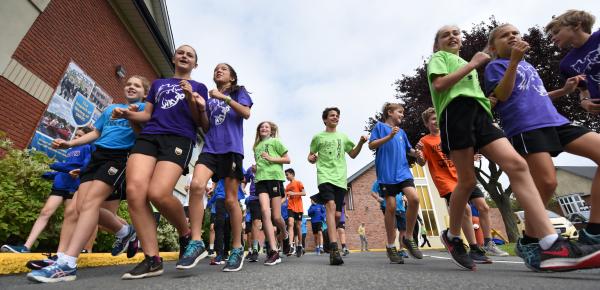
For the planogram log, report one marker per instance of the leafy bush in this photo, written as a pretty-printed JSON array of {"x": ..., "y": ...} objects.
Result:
[{"x": 104, "y": 240}]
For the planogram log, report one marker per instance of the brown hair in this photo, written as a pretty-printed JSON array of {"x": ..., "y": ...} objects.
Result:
[
  {"x": 573, "y": 18},
  {"x": 390, "y": 107},
  {"x": 427, "y": 114},
  {"x": 274, "y": 132},
  {"x": 491, "y": 37},
  {"x": 326, "y": 112}
]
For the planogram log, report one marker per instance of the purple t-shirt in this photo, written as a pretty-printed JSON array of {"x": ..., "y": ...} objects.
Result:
[
  {"x": 528, "y": 107},
  {"x": 171, "y": 114},
  {"x": 585, "y": 60},
  {"x": 226, "y": 131},
  {"x": 249, "y": 176}
]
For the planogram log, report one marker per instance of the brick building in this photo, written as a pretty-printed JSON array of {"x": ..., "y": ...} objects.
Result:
[{"x": 108, "y": 39}]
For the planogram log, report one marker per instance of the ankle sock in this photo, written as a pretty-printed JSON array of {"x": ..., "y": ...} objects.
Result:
[
  {"x": 486, "y": 240},
  {"x": 122, "y": 232},
  {"x": 389, "y": 246},
  {"x": 547, "y": 241},
  {"x": 451, "y": 236},
  {"x": 67, "y": 260}
]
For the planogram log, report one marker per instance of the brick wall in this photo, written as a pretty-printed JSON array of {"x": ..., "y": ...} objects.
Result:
[{"x": 87, "y": 32}]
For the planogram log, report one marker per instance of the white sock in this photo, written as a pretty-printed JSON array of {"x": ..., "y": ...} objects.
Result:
[
  {"x": 390, "y": 246},
  {"x": 451, "y": 236},
  {"x": 60, "y": 255},
  {"x": 68, "y": 260},
  {"x": 212, "y": 246},
  {"x": 122, "y": 232},
  {"x": 547, "y": 241}
]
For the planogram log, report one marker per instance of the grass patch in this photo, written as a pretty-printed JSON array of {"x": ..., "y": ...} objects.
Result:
[{"x": 509, "y": 248}]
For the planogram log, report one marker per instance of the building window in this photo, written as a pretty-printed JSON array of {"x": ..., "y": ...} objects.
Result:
[
  {"x": 426, "y": 208},
  {"x": 349, "y": 199}
]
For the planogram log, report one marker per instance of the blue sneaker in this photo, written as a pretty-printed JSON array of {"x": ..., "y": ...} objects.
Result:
[
  {"x": 14, "y": 249},
  {"x": 120, "y": 245},
  {"x": 403, "y": 254},
  {"x": 530, "y": 253},
  {"x": 587, "y": 238},
  {"x": 53, "y": 273},
  {"x": 194, "y": 252},
  {"x": 235, "y": 261}
]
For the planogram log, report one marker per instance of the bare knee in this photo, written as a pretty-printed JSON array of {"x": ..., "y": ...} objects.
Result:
[
  {"x": 197, "y": 188},
  {"x": 483, "y": 208},
  {"x": 547, "y": 186},
  {"x": 516, "y": 165},
  {"x": 46, "y": 213}
]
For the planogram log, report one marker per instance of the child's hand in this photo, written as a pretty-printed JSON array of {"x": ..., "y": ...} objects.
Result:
[
  {"x": 518, "y": 51},
  {"x": 590, "y": 107},
  {"x": 119, "y": 113},
  {"x": 572, "y": 83},
  {"x": 200, "y": 102},
  {"x": 363, "y": 139},
  {"x": 134, "y": 108},
  {"x": 266, "y": 156},
  {"x": 60, "y": 144},
  {"x": 493, "y": 100},
  {"x": 187, "y": 88},
  {"x": 479, "y": 59},
  {"x": 419, "y": 146},
  {"x": 75, "y": 173},
  {"x": 312, "y": 158},
  {"x": 395, "y": 131},
  {"x": 214, "y": 93}
]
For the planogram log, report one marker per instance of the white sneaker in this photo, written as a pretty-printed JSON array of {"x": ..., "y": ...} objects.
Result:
[{"x": 493, "y": 250}]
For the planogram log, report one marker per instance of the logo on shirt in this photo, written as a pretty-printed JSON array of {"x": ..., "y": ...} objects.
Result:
[
  {"x": 218, "y": 110},
  {"x": 165, "y": 97},
  {"x": 112, "y": 171},
  {"x": 584, "y": 65},
  {"x": 178, "y": 151},
  {"x": 530, "y": 79}
]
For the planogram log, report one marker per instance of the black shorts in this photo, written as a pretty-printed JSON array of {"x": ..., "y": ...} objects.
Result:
[
  {"x": 120, "y": 192},
  {"x": 548, "y": 139},
  {"x": 273, "y": 187},
  {"x": 248, "y": 228},
  {"x": 223, "y": 165},
  {"x": 254, "y": 208},
  {"x": 394, "y": 189},
  {"x": 340, "y": 225},
  {"x": 465, "y": 123},
  {"x": 212, "y": 217},
  {"x": 317, "y": 227},
  {"x": 476, "y": 193},
  {"x": 166, "y": 147},
  {"x": 401, "y": 221},
  {"x": 327, "y": 192},
  {"x": 62, "y": 193},
  {"x": 297, "y": 216},
  {"x": 107, "y": 165}
]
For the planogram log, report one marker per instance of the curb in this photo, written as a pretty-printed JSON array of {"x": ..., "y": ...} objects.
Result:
[{"x": 11, "y": 263}]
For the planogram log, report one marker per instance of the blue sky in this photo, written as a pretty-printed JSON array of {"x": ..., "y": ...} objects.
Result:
[{"x": 298, "y": 57}]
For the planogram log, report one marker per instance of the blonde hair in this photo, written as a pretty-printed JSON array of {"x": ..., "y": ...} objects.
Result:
[
  {"x": 573, "y": 18},
  {"x": 274, "y": 132},
  {"x": 491, "y": 37},
  {"x": 437, "y": 35},
  {"x": 427, "y": 114},
  {"x": 390, "y": 107}
]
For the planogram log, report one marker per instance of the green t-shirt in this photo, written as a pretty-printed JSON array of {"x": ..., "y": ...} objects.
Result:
[
  {"x": 331, "y": 148},
  {"x": 265, "y": 170},
  {"x": 444, "y": 63}
]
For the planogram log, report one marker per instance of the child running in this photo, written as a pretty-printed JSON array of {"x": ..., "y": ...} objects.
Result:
[
  {"x": 316, "y": 212},
  {"x": 544, "y": 133},
  {"x": 294, "y": 192},
  {"x": 270, "y": 155},
  {"x": 113, "y": 139},
  {"x": 327, "y": 151},
  {"x": 253, "y": 207},
  {"x": 466, "y": 127},
  {"x": 400, "y": 220},
  {"x": 394, "y": 176},
  {"x": 222, "y": 117},
  {"x": 444, "y": 177}
]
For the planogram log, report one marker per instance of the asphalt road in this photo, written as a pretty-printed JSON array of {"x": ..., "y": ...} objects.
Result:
[{"x": 360, "y": 271}]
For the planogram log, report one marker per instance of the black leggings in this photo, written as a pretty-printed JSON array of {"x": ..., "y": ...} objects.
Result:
[{"x": 222, "y": 228}]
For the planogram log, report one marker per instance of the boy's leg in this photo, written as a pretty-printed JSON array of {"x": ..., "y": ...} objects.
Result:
[
  {"x": 412, "y": 212},
  {"x": 390, "y": 220}
]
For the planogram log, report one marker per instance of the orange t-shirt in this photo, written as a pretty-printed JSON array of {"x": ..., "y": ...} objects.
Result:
[
  {"x": 440, "y": 166},
  {"x": 295, "y": 202}
]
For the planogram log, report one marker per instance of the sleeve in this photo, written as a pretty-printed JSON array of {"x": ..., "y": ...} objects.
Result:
[
  {"x": 375, "y": 133},
  {"x": 314, "y": 144},
  {"x": 72, "y": 163},
  {"x": 406, "y": 141},
  {"x": 49, "y": 175},
  {"x": 87, "y": 156},
  {"x": 375, "y": 187},
  {"x": 243, "y": 97},
  {"x": 437, "y": 65},
  {"x": 202, "y": 90},
  {"x": 152, "y": 93},
  {"x": 281, "y": 149},
  {"x": 300, "y": 186},
  {"x": 348, "y": 144},
  {"x": 493, "y": 74},
  {"x": 99, "y": 125}
]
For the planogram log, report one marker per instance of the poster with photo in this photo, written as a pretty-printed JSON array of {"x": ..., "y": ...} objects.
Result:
[{"x": 76, "y": 102}]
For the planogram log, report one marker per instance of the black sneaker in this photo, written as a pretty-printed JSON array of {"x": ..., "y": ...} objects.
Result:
[
  {"x": 564, "y": 255},
  {"x": 149, "y": 267},
  {"x": 39, "y": 264},
  {"x": 412, "y": 248},
  {"x": 345, "y": 252},
  {"x": 272, "y": 258},
  {"x": 183, "y": 243},
  {"x": 457, "y": 251},
  {"x": 133, "y": 248},
  {"x": 286, "y": 246},
  {"x": 193, "y": 254},
  {"x": 299, "y": 251},
  {"x": 253, "y": 256},
  {"x": 334, "y": 255},
  {"x": 478, "y": 256},
  {"x": 235, "y": 261},
  {"x": 393, "y": 255}
]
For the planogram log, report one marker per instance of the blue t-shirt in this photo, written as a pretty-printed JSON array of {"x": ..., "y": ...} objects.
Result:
[
  {"x": 585, "y": 60},
  {"x": 248, "y": 216},
  {"x": 528, "y": 107},
  {"x": 115, "y": 133},
  {"x": 303, "y": 225},
  {"x": 249, "y": 176},
  {"x": 171, "y": 113},
  {"x": 316, "y": 212},
  {"x": 390, "y": 158},
  {"x": 399, "y": 201},
  {"x": 219, "y": 192},
  {"x": 284, "y": 212}
]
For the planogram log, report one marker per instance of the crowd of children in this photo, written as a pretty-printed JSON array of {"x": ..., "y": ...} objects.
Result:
[{"x": 142, "y": 148}]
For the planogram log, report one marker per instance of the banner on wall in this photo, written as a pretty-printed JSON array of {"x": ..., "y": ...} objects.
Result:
[{"x": 77, "y": 102}]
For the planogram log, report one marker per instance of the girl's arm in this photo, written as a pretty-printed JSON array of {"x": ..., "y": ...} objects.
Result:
[
  {"x": 240, "y": 109},
  {"x": 506, "y": 85},
  {"x": 376, "y": 197},
  {"x": 569, "y": 87},
  {"x": 85, "y": 139},
  {"x": 444, "y": 82},
  {"x": 354, "y": 152},
  {"x": 134, "y": 116}
]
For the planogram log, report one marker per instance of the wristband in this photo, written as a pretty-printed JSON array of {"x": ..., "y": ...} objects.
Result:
[{"x": 228, "y": 100}]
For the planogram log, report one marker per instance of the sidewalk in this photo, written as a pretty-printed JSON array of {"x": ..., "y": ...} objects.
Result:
[{"x": 11, "y": 263}]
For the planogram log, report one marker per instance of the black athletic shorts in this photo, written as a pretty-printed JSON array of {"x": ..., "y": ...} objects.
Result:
[
  {"x": 248, "y": 228},
  {"x": 548, "y": 139},
  {"x": 476, "y": 193},
  {"x": 106, "y": 165},
  {"x": 341, "y": 225},
  {"x": 273, "y": 187},
  {"x": 120, "y": 192},
  {"x": 465, "y": 123},
  {"x": 62, "y": 193},
  {"x": 297, "y": 216},
  {"x": 254, "y": 208},
  {"x": 401, "y": 221},
  {"x": 223, "y": 165},
  {"x": 394, "y": 189},
  {"x": 327, "y": 192},
  {"x": 317, "y": 227},
  {"x": 166, "y": 147}
]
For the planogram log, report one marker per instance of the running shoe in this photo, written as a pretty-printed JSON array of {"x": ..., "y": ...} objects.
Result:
[
  {"x": 564, "y": 255},
  {"x": 272, "y": 258},
  {"x": 133, "y": 248},
  {"x": 299, "y": 251},
  {"x": 478, "y": 256},
  {"x": 211, "y": 253},
  {"x": 587, "y": 238},
  {"x": 193, "y": 254},
  {"x": 183, "y": 243},
  {"x": 394, "y": 256},
  {"x": 235, "y": 261},
  {"x": 345, "y": 252},
  {"x": 121, "y": 244},
  {"x": 412, "y": 248},
  {"x": 334, "y": 255},
  {"x": 39, "y": 264},
  {"x": 403, "y": 254},
  {"x": 457, "y": 251},
  {"x": 530, "y": 253},
  {"x": 53, "y": 273},
  {"x": 218, "y": 260},
  {"x": 493, "y": 250},
  {"x": 14, "y": 249},
  {"x": 149, "y": 267}
]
